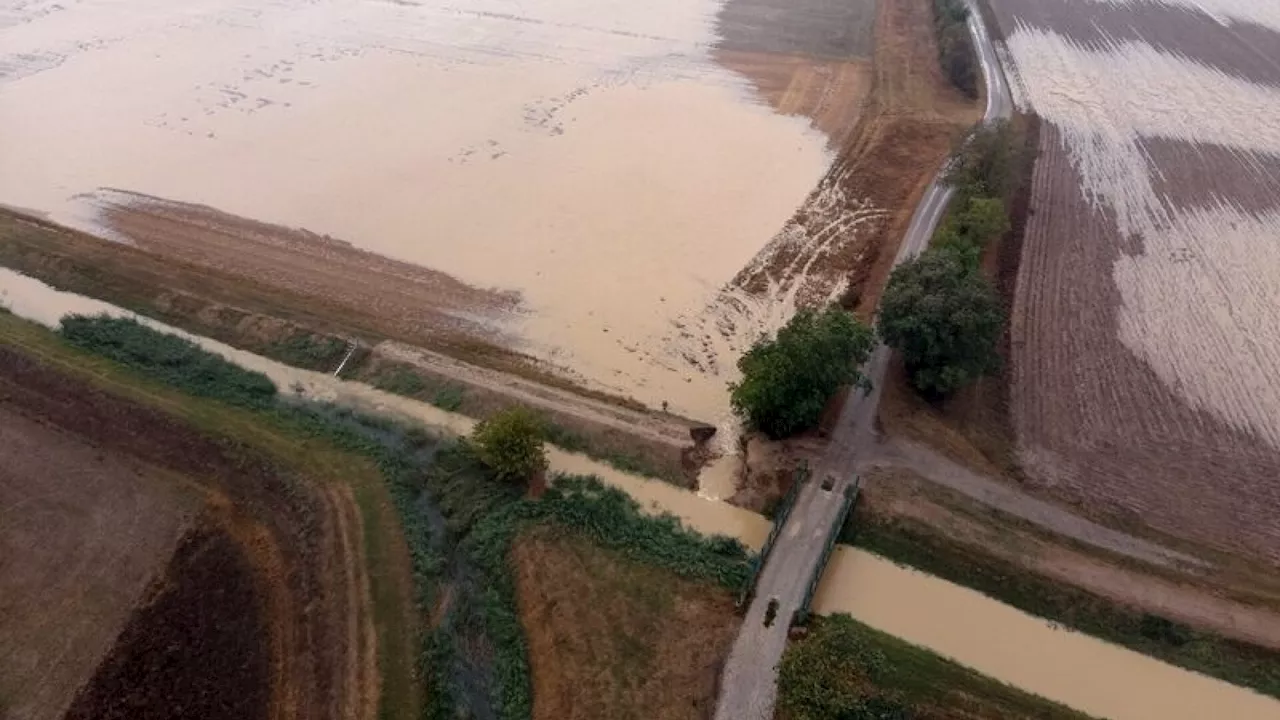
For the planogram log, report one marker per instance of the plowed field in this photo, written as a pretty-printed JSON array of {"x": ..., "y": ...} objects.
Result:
[
  {"x": 1144, "y": 338},
  {"x": 270, "y": 598},
  {"x": 82, "y": 534}
]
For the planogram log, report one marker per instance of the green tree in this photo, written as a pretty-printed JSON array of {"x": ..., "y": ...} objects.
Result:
[
  {"x": 788, "y": 379},
  {"x": 987, "y": 162},
  {"x": 957, "y": 58},
  {"x": 510, "y": 443},
  {"x": 968, "y": 232},
  {"x": 945, "y": 319}
]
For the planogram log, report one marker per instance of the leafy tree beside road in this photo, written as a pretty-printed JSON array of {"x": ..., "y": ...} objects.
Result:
[
  {"x": 968, "y": 231},
  {"x": 788, "y": 379},
  {"x": 511, "y": 445},
  {"x": 944, "y": 318},
  {"x": 956, "y": 55},
  {"x": 987, "y": 162}
]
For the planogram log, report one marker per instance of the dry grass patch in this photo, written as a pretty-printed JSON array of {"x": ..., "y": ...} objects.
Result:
[{"x": 613, "y": 638}]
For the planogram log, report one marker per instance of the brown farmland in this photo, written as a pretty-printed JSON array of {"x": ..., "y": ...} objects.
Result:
[
  {"x": 278, "y": 561},
  {"x": 82, "y": 534},
  {"x": 611, "y": 638},
  {"x": 194, "y": 648},
  {"x": 1142, "y": 339}
]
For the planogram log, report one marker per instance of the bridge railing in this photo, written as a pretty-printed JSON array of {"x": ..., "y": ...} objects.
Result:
[
  {"x": 780, "y": 516},
  {"x": 801, "y": 616}
]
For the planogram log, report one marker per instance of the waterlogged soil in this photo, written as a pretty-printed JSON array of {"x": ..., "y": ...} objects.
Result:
[{"x": 194, "y": 649}]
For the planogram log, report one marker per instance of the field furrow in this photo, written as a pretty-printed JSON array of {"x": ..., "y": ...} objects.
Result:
[{"x": 1146, "y": 330}]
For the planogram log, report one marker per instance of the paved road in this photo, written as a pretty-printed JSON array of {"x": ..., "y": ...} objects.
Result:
[{"x": 749, "y": 684}]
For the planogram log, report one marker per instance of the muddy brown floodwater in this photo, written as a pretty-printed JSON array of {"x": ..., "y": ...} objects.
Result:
[
  {"x": 996, "y": 639},
  {"x": 592, "y": 157}
]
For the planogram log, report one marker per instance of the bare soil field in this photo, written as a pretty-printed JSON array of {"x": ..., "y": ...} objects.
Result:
[
  {"x": 1098, "y": 427},
  {"x": 611, "y": 638},
  {"x": 1143, "y": 340},
  {"x": 83, "y": 532},
  {"x": 195, "y": 646},
  {"x": 214, "y": 284},
  {"x": 1240, "y": 48},
  {"x": 280, "y": 537},
  {"x": 809, "y": 58}
]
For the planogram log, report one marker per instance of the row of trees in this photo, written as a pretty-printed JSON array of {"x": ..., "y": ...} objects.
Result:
[
  {"x": 956, "y": 53},
  {"x": 939, "y": 311}
]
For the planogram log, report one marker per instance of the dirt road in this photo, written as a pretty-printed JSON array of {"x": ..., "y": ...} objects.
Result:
[
  {"x": 749, "y": 686},
  {"x": 991, "y": 493}
]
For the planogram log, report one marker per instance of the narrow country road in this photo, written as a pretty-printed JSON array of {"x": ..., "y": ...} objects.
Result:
[
  {"x": 749, "y": 684},
  {"x": 941, "y": 470}
]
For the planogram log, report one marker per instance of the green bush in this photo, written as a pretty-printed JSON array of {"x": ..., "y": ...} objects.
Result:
[
  {"x": 988, "y": 162},
  {"x": 945, "y": 319},
  {"x": 832, "y": 674},
  {"x": 788, "y": 379},
  {"x": 449, "y": 398},
  {"x": 308, "y": 351},
  {"x": 169, "y": 359},
  {"x": 400, "y": 382},
  {"x": 968, "y": 231},
  {"x": 510, "y": 443}
]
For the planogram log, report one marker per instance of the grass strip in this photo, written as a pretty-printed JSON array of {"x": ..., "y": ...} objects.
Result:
[{"x": 844, "y": 670}]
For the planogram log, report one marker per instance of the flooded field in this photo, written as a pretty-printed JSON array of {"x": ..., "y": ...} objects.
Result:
[
  {"x": 595, "y": 160},
  {"x": 33, "y": 300},
  {"x": 998, "y": 640}
]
